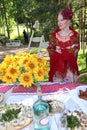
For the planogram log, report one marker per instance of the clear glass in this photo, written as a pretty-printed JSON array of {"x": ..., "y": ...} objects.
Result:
[
  {"x": 63, "y": 122},
  {"x": 41, "y": 113}
]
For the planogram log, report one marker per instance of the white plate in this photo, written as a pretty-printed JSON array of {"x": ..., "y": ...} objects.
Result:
[
  {"x": 81, "y": 88},
  {"x": 23, "y": 118}
]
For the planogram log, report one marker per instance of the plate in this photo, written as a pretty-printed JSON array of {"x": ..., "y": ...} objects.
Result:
[
  {"x": 80, "y": 92},
  {"x": 24, "y": 116},
  {"x": 55, "y": 106},
  {"x": 77, "y": 116}
]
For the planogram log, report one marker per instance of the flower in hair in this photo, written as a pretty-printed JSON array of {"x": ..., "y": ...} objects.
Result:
[{"x": 67, "y": 13}]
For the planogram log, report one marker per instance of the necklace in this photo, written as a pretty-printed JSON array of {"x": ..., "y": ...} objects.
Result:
[
  {"x": 65, "y": 33},
  {"x": 63, "y": 37}
]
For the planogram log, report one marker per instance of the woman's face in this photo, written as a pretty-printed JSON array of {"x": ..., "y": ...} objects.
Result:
[{"x": 62, "y": 23}]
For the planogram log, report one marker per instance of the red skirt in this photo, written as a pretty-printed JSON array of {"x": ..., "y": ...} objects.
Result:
[{"x": 61, "y": 62}]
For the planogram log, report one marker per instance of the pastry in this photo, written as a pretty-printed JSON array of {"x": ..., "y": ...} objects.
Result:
[{"x": 83, "y": 94}]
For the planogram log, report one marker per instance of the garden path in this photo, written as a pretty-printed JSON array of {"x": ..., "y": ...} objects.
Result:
[{"x": 4, "y": 50}]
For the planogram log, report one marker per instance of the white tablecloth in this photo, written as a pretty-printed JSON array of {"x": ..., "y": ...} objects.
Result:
[{"x": 70, "y": 98}]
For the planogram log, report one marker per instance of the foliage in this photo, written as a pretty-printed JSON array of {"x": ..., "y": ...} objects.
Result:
[
  {"x": 32, "y": 10},
  {"x": 10, "y": 114},
  {"x": 82, "y": 61},
  {"x": 73, "y": 120}
]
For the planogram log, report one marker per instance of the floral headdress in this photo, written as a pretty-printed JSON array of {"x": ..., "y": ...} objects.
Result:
[{"x": 67, "y": 13}]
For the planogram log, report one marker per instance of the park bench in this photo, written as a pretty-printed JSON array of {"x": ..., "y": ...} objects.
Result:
[{"x": 14, "y": 43}]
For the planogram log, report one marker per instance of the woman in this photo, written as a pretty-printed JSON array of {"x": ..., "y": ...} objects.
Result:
[{"x": 63, "y": 49}]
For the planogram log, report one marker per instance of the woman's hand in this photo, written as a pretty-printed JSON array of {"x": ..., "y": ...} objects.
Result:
[{"x": 58, "y": 49}]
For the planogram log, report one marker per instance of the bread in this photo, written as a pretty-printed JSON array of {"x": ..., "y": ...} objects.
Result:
[{"x": 83, "y": 94}]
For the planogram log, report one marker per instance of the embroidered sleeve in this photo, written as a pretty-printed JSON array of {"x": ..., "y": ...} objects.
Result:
[
  {"x": 51, "y": 45},
  {"x": 75, "y": 46}
]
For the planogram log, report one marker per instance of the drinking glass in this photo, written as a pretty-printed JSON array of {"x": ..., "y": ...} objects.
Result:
[{"x": 63, "y": 122}]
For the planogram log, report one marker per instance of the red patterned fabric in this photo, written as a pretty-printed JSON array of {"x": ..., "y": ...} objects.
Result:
[
  {"x": 45, "y": 88},
  {"x": 68, "y": 57}
]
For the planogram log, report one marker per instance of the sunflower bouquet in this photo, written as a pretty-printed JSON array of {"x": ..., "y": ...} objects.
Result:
[{"x": 23, "y": 68}]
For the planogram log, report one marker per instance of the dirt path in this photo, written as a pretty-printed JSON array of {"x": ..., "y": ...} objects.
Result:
[
  {"x": 10, "y": 50},
  {"x": 13, "y": 50}
]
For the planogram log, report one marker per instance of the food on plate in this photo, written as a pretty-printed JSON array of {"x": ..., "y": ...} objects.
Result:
[
  {"x": 83, "y": 94},
  {"x": 77, "y": 120},
  {"x": 55, "y": 106},
  {"x": 15, "y": 116}
]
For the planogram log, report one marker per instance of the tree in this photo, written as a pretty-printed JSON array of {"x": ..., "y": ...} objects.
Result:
[
  {"x": 46, "y": 11},
  {"x": 6, "y": 14}
]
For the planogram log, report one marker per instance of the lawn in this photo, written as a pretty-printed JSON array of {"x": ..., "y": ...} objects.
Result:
[
  {"x": 82, "y": 65},
  {"x": 82, "y": 62}
]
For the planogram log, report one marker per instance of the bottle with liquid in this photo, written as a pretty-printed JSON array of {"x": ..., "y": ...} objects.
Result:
[{"x": 41, "y": 113}]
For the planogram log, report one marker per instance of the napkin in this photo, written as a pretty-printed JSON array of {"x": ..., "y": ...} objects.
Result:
[
  {"x": 53, "y": 123},
  {"x": 6, "y": 96},
  {"x": 80, "y": 102}
]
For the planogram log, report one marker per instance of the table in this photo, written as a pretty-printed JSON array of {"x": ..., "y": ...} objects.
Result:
[{"x": 68, "y": 97}]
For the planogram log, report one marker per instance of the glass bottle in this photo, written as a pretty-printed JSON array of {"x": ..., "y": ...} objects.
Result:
[{"x": 41, "y": 112}]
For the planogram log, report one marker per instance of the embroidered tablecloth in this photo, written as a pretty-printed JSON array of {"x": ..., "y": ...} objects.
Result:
[{"x": 46, "y": 88}]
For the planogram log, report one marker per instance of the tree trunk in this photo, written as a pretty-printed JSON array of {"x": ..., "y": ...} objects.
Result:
[
  {"x": 6, "y": 20},
  {"x": 18, "y": 30}
]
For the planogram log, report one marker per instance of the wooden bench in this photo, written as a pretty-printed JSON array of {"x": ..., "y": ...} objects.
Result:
[{"x": 14, "y": 43}]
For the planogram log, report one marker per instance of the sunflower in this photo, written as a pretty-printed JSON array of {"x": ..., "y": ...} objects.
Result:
[
  {"x": 45, "y": 69},
  {"x": 23, "y": 68},
  {"x": 26, "y": 79},
  {"x": 8, "y": 79},
  {"x": 39, "y": 75},
  {"x": 13, "y": 71},
  {"x": 41, "y": 61},
  {"x": 23, "y": 61},
  {"x": 3, "y": 68},
  {"x": 8, "y": 60},
  {"x": 26, "y": 54},
  {"x": 16, "y": 60},
  {"x": 32, "y": 65},
  {"x": 1, "y": 77}
]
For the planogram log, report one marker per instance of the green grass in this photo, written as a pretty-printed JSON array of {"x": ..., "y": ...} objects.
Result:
[
  {"x": 82, "y": 62},
  {"x": 82, "y": 66},
  {"x": 14, "y": 34}
]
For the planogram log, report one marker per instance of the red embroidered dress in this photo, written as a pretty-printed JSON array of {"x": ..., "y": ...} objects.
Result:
[{"x": 67, "y": 59}]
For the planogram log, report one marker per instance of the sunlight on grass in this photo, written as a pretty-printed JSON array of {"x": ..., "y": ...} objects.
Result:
[
  {"x": 14, "y": 34},
  {"x": 81, "y": 60}
]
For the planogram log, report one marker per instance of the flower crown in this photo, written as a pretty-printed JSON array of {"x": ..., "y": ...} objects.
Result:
[{"x": 67, "y": 13}]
